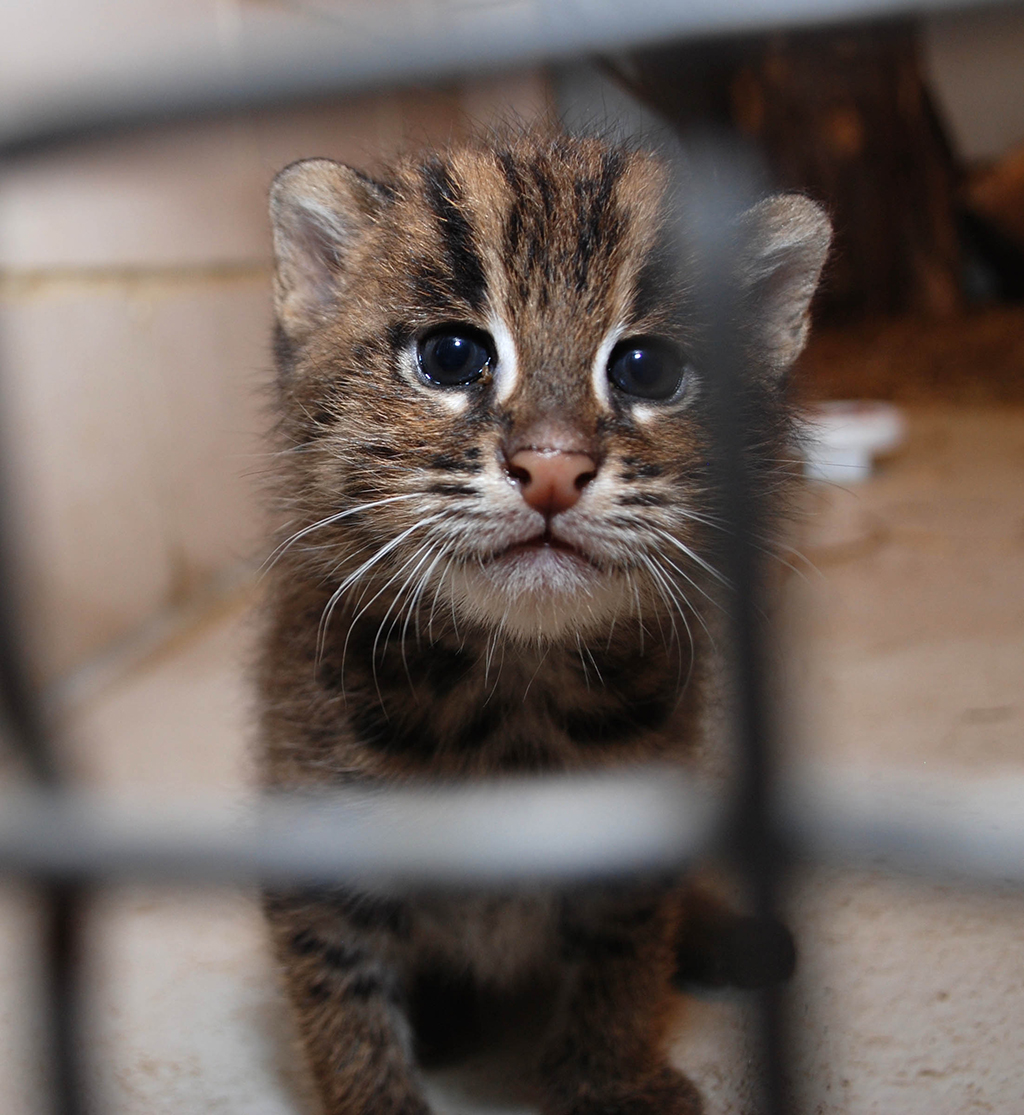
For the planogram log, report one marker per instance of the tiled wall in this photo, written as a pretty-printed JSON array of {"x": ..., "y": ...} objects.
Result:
[{"x": 134, "y": 320}]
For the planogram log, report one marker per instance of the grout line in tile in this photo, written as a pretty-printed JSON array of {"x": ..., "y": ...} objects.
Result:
[
  {"x": 28, "y": 283},
  {"x": 226, "y": 593}
]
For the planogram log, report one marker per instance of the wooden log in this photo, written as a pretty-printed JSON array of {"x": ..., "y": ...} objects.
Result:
[
  {"x": 845, "y": 116},
  {"x": 996, "y": 192}
]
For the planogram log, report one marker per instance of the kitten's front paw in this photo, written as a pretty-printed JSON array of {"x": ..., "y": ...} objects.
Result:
[
  {"x": 666, "y": 1093},
  {"x": 742, "y": 952}
]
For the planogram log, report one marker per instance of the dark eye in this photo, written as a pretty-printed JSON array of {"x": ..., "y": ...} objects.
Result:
[
  {"x": 647, "y": 368},
  {"x": 455, "y": 355}
]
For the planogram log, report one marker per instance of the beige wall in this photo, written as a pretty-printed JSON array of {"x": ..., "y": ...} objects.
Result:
[{"x": 134, "y": 322}]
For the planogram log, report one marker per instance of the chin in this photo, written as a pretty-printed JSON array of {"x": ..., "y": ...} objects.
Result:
[{"x": 541, "y": 594}]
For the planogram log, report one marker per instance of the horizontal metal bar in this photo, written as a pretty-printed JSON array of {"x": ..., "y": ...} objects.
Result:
[
  {"x": 274, "y": 57},
  {"x": 510, "y": 832},
  {"x": 516, "y": 830},
  {"x": 940, "y": 827}
]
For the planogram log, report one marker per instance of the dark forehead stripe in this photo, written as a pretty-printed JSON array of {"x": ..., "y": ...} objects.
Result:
[
  {"x": 563, "y": 217},
  {"x": 600, "y": 225},
  {"x": 514, "y": 222},
  {"x": 444, "y": 195},
  {"x": 525, "y": 234},
  {"x": 542, "y": 176}
]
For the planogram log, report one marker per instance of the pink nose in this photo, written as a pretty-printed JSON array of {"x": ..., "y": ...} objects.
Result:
[{"x": 551, "y": 480}]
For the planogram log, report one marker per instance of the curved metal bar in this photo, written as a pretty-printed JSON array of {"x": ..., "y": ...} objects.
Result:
[
  {"x": 273, "y": 59},
  {"x": 538, "y": 830},
  {"x": 518, "y": 831}
]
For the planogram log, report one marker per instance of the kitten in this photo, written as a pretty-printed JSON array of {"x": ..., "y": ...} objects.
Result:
[{"x": 500, "y": 559}]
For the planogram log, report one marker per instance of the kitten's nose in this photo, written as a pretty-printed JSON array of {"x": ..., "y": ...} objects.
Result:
[{"x": 551, "y": 480}]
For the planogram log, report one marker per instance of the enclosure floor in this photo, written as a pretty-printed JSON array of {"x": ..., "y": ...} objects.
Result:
[{"x": 906, "y": 649}]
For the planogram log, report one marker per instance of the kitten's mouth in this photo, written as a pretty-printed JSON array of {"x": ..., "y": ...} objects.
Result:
[{"x": 542, "y": 543}]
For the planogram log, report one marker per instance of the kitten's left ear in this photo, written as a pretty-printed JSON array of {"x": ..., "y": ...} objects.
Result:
[
  {"x": 319, "y": 210},
  {"x": 784, "y": 241}
]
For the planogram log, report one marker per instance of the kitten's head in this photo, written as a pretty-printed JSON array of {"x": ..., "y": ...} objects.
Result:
[{"x": 486, "y": 369}]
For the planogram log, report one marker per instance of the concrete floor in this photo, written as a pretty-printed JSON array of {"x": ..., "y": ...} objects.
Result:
[{"x": 904, "y": 650}]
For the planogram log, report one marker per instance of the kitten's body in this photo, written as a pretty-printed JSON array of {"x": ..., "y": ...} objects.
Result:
[{"x": 504, "y": 573}]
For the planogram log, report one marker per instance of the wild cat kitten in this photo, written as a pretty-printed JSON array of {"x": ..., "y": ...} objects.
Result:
[{"x": 499, "y": 560}]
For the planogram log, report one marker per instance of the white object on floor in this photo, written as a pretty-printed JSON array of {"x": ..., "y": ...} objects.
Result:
[{"x": 840, "y": 439}]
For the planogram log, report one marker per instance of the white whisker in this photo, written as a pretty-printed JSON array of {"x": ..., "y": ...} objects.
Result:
[
  {"x": 355, "y": 576},
  {"x": 327, "y": 521},
  {"x": 682, "y": 602},
  {"x": 413, "y": 608},
  {"x": 694, "y": 557},
  {"x": 425, "y": 550}
]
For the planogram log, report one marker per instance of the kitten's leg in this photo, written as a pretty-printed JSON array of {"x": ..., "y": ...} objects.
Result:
[
  {"x": 717, "y": 946},
  {"x": 338, "y": 957},
  {"x": 607, "y": 1053}
]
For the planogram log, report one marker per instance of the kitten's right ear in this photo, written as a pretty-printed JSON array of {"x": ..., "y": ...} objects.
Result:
[
  {"x": 785, "y": 240},
  {"x": 319, "y": 210}
]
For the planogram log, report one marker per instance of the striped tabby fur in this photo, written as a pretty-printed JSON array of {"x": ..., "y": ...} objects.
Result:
[{"x": 429, "y": 618}]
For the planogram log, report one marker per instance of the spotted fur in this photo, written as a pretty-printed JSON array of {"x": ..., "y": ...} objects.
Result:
[{"x": 425, "y": 620}]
